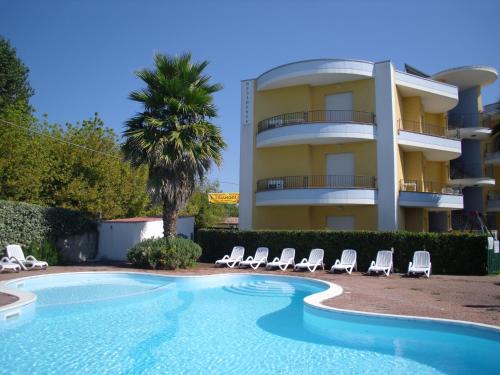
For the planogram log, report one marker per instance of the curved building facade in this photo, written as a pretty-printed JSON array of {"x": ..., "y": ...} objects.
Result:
[{"x": 347, "y": 145}]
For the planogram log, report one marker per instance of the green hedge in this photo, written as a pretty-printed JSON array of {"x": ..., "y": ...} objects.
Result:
[
  {"x": 25, "y": 223},
  {"x": 455, "y": 254}
]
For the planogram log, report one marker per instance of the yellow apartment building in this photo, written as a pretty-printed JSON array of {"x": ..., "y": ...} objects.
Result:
[{"x": 350, "y": 145}]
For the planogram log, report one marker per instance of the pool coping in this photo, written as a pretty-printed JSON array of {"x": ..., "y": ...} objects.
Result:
[{"x": 313, "y": 300}]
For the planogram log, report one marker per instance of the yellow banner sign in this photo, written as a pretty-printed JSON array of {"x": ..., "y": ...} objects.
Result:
[{"x": 224, "y": 198}]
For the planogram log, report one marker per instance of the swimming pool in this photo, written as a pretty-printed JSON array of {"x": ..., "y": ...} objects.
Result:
[{"x": 111, "y": 323}]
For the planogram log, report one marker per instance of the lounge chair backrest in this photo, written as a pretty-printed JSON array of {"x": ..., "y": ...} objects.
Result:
[
  {"x": 348, "y": 257},
  {"x": 261, "y": 252},
  {"x": 316, "y": 256},
  {"x": 421, "y": 259},
  {"x": 238, "y": 252},
  {"x": 287, "y": 254},
  {"x": 15, "y": 251},
  {"x": 384, "y": 258}
]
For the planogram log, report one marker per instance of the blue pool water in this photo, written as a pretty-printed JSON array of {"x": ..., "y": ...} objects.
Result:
[{"x": 228, "y": 324}]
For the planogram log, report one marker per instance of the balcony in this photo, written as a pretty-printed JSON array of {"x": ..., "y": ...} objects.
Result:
[
  {"x": 316, "y": 127},
  {"x": 469, "y": 125},
  {"x": 493, "y": 201},
  {"x": 430, "y": 194},
  {"x": 432, "y": 140},
  {"x": 316, "y": 190},
  {"x": 437, "y": 97},
  {"x": 470, "y": 175}
]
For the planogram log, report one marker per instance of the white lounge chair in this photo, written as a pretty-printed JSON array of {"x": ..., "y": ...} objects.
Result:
[
  {"x": 315, "y": 260},
  {"x": 421, "y": 263},
  {"x": 15, "y": 254},
  {"x": 7, "y": 265},
  {"x": 347, "y": 261},
  {"x": 383, "y": 263},
  {"x": 233, "y": 259},
  {"x": 256, "y": 261},
  {"x": 287, "y": 259}
]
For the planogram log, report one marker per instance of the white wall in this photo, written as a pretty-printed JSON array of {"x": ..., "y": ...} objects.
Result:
[
  {"x": 386, "y": 146},
  {"x": 117, "y": 238}
]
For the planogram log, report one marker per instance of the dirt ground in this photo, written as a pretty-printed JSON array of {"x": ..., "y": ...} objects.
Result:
[{"x": 472, "y": 298}]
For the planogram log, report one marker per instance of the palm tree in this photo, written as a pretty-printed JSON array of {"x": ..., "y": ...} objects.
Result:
[{"x": 173, "y": 135}]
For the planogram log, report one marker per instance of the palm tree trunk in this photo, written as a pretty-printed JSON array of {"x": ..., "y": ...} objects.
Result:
[{"x": 169, "y": 219}]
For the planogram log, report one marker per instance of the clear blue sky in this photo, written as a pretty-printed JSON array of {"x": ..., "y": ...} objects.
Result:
[{"x": 83, "y": 54}]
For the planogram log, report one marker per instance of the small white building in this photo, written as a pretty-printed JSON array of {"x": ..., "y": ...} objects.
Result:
[{"x": 118, "y": 236}]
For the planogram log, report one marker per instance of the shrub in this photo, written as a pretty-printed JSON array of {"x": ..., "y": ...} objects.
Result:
[
  {"x": 451, "y": 253},
  {"x": 25, "y": 223},
  {"x": 44, "y": 250},
  {"x": 165, "y": 253}
]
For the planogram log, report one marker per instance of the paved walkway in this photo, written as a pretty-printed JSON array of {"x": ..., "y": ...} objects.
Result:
[{"x": 473, "y": 298}]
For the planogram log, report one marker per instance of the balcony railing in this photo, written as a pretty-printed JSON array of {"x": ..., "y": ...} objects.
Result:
[
  {"x": 423, "y": 128},
  {"x": 317, "y": 182},
  {"x": 493, "y": 195},
  {"x": 308, "y": 117},
  {"x": 433, "y": 187},
  {"x": 460, "y": 170},
  {"x": 469, "y": 120}
]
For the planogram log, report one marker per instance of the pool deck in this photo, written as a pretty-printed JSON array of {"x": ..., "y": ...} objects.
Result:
[{"x": 471, "y": 298}]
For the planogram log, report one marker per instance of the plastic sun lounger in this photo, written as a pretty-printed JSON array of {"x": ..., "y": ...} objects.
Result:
[
  {"x": 315, "y": 260},
  {"x": 421, "y": 263},
  {"x": 233, "y": 259},
  {"x": 347, "y": 261},
  {"x": 15, "y": 254},
  {"x": 256, "y": 261},
  {"x": 286, "y": 259},
  {"x": 7, "y": 265},
  {"x": 383, "y": 263}
]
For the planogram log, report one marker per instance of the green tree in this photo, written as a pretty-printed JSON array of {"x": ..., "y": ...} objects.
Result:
[
  {"x": 206, "y": 215},
  {"x": 14, "y": 86},
  {"x": 98, "y": 182},
  {"x": 54, "y": 165},
  {"x": 20, "y": 169},
  {"x": 173, "y": 135},
  {"x": 22, "y": 157}
]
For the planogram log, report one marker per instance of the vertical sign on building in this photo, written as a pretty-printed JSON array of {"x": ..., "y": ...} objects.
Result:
[
  {"x": 246, "y": 154},
  {"x": 247, "y": 102}
]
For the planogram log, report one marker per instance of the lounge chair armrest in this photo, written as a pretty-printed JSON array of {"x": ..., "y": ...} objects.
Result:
[
  {"x": 304, "y": 260},
  {"x": 5, "y": 260},
  {"x": 276, "y": 259},
  {"x": 31, "y": 257},
  {"x": 372, "y": 263},
  {"x": 249, "y": 258},
  {"x": 225, "y": 257},
  {"x": 337, "y": 262}
]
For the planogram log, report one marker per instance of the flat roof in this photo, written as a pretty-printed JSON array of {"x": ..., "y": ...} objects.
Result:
[
  {"x": 139, "y": 219},
  {"x": 133, "y": 220}
]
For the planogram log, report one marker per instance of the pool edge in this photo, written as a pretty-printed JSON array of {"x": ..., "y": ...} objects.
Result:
[{"x": 314, "y": 300}]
